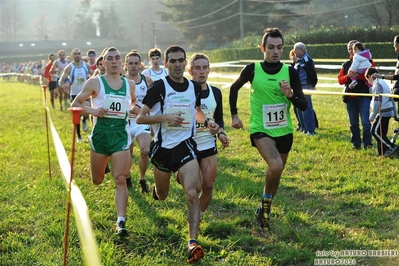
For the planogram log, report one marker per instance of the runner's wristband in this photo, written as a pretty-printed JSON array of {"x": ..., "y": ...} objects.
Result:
[{"x": 221, "y": 133}]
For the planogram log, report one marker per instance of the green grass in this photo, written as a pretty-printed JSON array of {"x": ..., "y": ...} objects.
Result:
[{"x": 330, "y": 197}]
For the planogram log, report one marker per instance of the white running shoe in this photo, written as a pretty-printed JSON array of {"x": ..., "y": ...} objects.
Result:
[{"x": 85, "y": 126}]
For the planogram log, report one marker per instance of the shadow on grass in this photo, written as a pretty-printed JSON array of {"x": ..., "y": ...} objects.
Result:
[{"x": 340, "y": 223}]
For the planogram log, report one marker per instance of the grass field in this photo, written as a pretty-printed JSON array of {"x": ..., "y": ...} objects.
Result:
[{"x": 331, "y": 198}]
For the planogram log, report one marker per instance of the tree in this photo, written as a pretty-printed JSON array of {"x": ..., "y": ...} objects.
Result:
[
  {"x": 205, "y": 22},
  {"x": 110, "y": 24},
  {"x": 345, "y": 14},
  {"x": 381, "y": 12},
  {"x": 85, "y": 27},
  {"x": 40, "y": 26},
  {"x": 63, "y": 27},
  {"x": 320, "y": 13},
  {"x": 11, "y": 19}
]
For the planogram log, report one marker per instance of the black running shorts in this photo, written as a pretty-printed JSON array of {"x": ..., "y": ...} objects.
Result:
[
  {"x": 283, "y": 143},
  {"x": 171, "y": 160}
]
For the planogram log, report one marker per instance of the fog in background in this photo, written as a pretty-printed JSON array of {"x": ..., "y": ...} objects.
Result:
[{"x": 142, "y": 29}]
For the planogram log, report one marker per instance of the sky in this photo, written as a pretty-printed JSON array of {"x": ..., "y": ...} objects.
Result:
[
  {"x": 139, "y": 20},
  {"x": 56, "y": 6},
  {"x": 52, "y": 9}
]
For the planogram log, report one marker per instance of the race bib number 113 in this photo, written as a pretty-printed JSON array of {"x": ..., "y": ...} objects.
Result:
[{"x": 274, "y": 115}]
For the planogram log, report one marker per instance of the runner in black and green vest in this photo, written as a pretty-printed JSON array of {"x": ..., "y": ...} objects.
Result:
[{"x": 274, "y": 87}]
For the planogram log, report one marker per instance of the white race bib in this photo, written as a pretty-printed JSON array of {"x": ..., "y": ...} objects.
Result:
[
  {"x": 201, "y": 129},
  {"x": 274, "y": 115},
  {"x": 80, "y": 80},
  {"x": 185, "y": 109},
  {"x": 115, "y": 105}
]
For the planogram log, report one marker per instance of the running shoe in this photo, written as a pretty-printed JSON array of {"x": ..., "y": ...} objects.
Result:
[
  {"x": 121, "y": 229},
  {"x": 154, "y": 193},
  {"x": 194, "y": 253},
  {"x": 144, "y": 186},
  {"x": 107, "y": 170},
  {"x": 80, "y": 139},
  {"x": 85, "y": 126},
  {"x": 129, "y": 182},
  {"x": 263, "y": 213}
]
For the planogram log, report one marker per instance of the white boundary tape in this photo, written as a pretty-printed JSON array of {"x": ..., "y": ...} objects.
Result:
[
  {"x": 243, "y": 63},
  {"x": 83, "y": 222},
  {"x": 317, "y": 92}
]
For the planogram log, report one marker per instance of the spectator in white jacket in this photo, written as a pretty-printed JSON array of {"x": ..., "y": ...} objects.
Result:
[{"x": 382, "y": 109}]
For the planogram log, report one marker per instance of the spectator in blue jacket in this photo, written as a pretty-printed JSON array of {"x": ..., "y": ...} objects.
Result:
[{"x": 308, "y": 76}]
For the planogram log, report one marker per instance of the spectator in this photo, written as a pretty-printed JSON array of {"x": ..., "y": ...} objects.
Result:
[
  {"x": 307, "y": 74},
  {"x": 294, "y": 59},
  {"x": 395, "y": 89},
  {"x": 361, "y": 61},
  {"x": 356, "y": 105},
  {"x": 383, "y": 108}
]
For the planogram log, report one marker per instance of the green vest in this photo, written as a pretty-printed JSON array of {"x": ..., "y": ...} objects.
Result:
[
  {"x": 105, "y": 122},
  {"x": 270, "y": 108}
]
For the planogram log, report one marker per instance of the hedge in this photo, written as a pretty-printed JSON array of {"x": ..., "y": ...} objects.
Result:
[{"x": 327, "y": 51}]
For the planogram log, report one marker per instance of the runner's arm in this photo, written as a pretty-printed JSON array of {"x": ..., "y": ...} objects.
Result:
[{"x": 90, "y": 89}]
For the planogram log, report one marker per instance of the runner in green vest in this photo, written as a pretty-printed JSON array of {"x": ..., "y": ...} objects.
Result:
[
  {"x": 274, "y": 87},
  {"x": 111, "y": 97}
]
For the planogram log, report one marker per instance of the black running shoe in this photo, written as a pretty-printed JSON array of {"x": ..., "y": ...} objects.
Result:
[
  {"x": 154, "y": 194},
  {"x": 129, "y": 182},
  {"x": 144, "y": 186},
  {"x": 121, "y": 229},
  {"x": 107, "y": 170},
  {"x": 263, "y": 214}
]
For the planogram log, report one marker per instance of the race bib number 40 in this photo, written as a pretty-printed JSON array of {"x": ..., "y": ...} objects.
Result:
[
  {"x": 116, "y": 106},
  {"x": 274, "y": 115}
]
